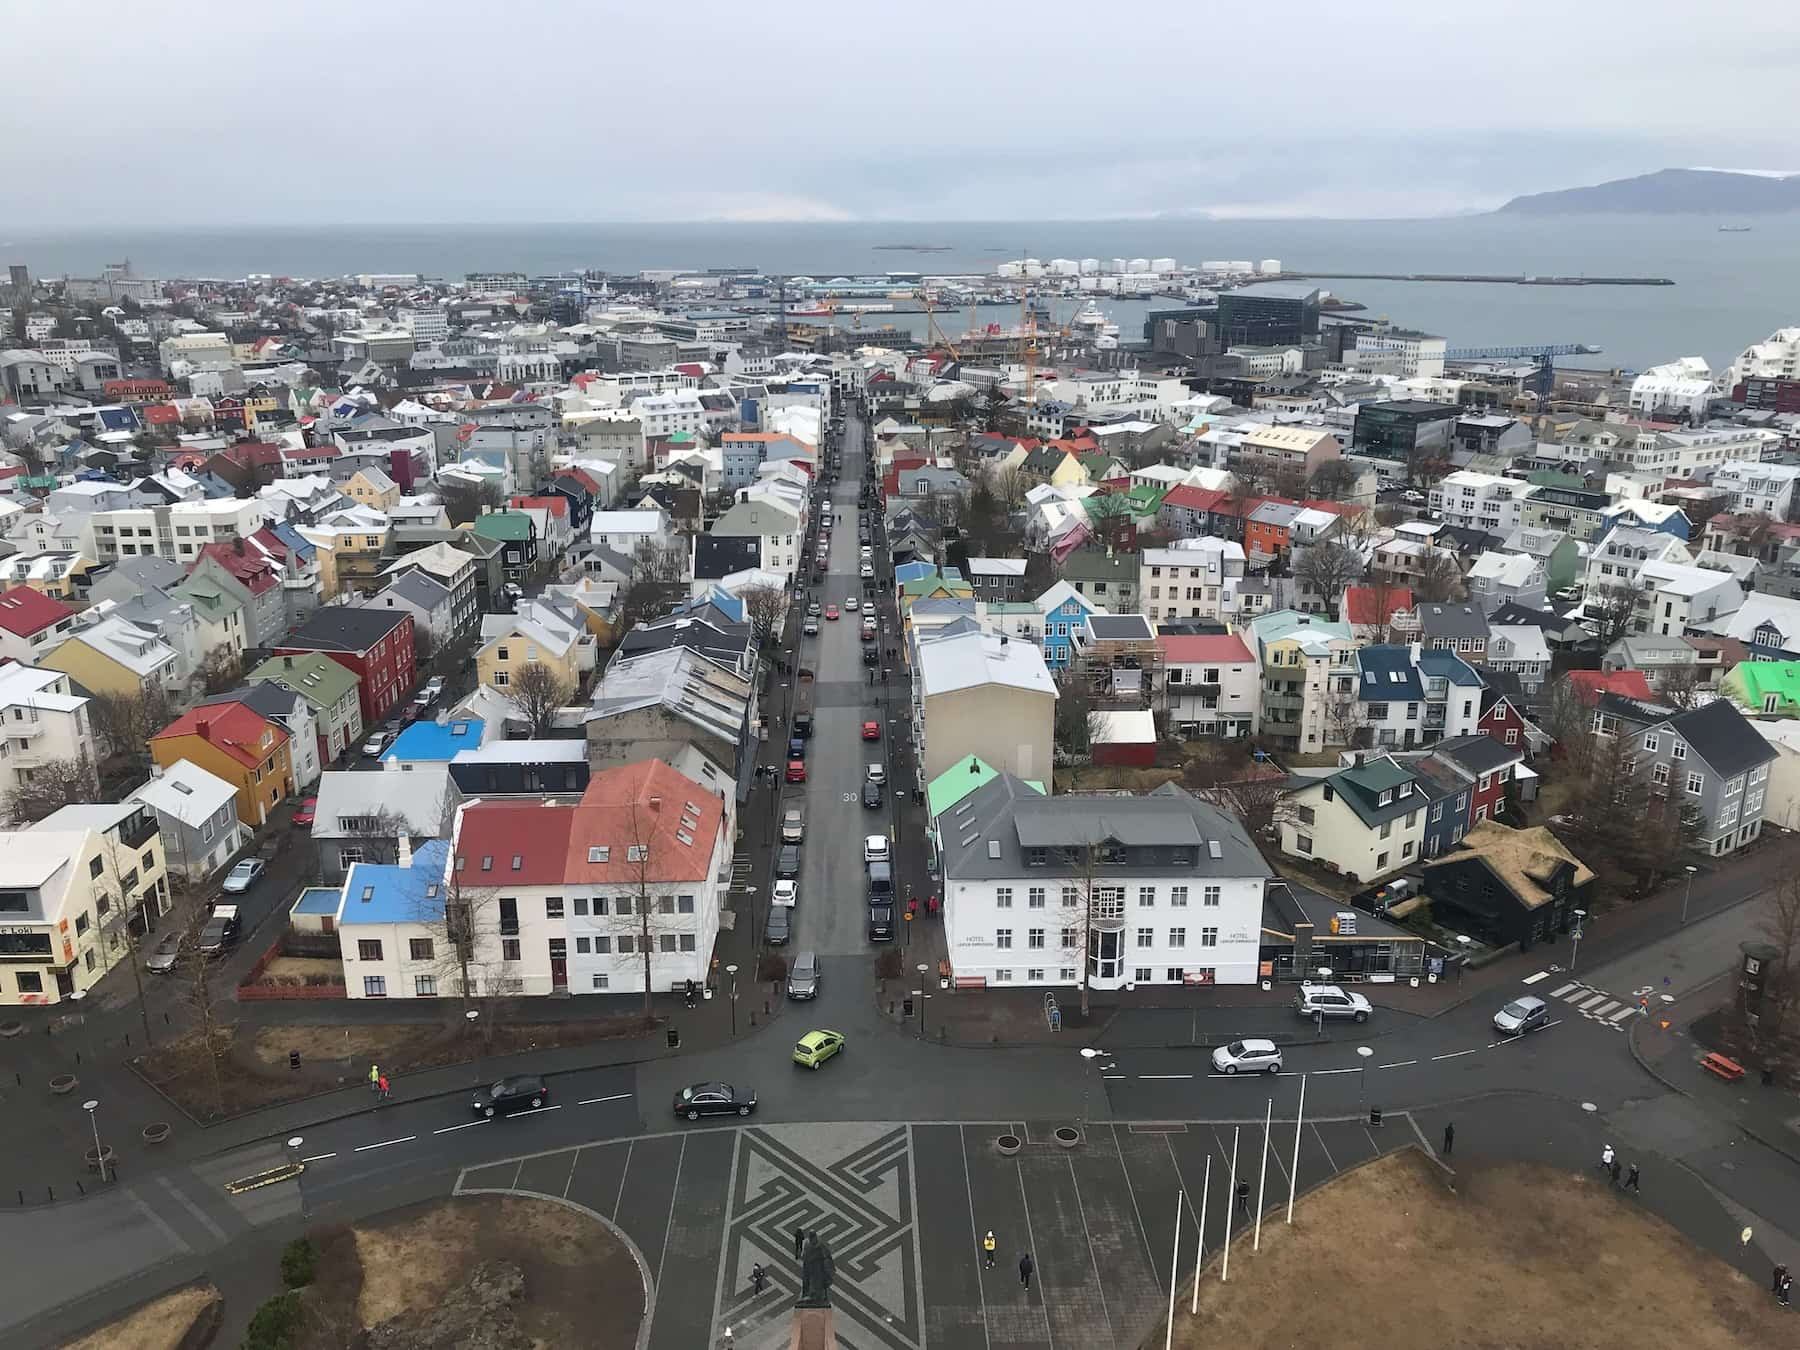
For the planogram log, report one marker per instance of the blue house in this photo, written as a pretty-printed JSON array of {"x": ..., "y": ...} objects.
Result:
[
  {"x": 435, "y": 742},
  {"x": 1064, "y": 609},
  {"x": 1449, "y": 798}
]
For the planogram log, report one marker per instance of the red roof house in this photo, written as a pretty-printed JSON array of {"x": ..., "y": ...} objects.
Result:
[{"x": 31, "y": 623}]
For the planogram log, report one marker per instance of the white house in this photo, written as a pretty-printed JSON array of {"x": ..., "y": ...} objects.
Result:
[
  {"x": 1757, "y": 489},
  {"x": 777, "y": 528},
  {"x": 1364, "y": 821},
  {"x": 197, "y": 812},
  {"x": 1480, "y": 501},
  {"x": 42, "y": 722},
  {"x": 1210, "y": 684}
]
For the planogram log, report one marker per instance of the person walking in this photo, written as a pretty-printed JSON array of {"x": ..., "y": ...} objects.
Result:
[
  {"x": 1025, "y": 1269},
  {"x": 987, "y": 1249},
  {"x": 1606, "y": 1158},
  {"x": 1775, "y": 1279},
  {"x": 1631, "y": 1179},
  {"x": 384, "y": 1087},
  {"x": 1786, "y": 1292},
  {"x": 1243, "y": 1198},
  {"x": 799, "y": 1241},
  {"x": 374, "y": 1078},
  {"x": 757, "y": 1278},
  {"x": 1449, "y": 1137}
]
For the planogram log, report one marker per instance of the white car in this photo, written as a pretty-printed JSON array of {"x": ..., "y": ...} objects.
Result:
[
  {"x": 878, "y": 773},
  {"x": 1328, "y": 1000},
  {"x": 866, "y": 572},
  {"x": 875, "y": 848},
  {"x": 786, "y": 893},
  {"x": 850, "y": 603},
  {"x": 1247, "y": 1057},
  {"x": 377, "y": 742}
]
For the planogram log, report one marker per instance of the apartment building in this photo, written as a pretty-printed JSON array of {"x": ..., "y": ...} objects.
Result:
[
  {"x": 1306, "y": 666},
  {"x": 32, "y": 623},
  {"x": 1210, "y": 685},
  {"x": 181, "y": 530},
  {"x": 1480, "y": 501},
  {"x": 375, "y": 645},
  {"x": 1190, "y": 583},
  {"x": 43, "y": 721},
  {"x": 1756, "y": 488}
]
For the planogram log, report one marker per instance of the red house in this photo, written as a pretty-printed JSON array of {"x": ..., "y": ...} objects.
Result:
[
  {"x": 1502, "y": 721},
  {"x": 377, "y": 644}
]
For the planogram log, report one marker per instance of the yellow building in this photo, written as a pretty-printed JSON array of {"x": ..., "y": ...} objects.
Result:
[
  {"x": 371, "y": 487},
  {"x": 236, "y": 743},
  {"x": 118, "y": 658},
  {"x": 515, "y": 642}
]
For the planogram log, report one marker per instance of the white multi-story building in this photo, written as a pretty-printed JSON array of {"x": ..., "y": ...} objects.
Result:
[
  {"x": 1681, "y": 388},
  {"x": 1210, "y": 684},
  {"x": 1777, "y": 357},
  {"x": 777, "y": 527},
  {"x": 1757, "y": 488},
  {"x": 427, "y": 323},
  {"x": 178, "y": 531},
  {"x": 1189, "y": 583},
  {"x": 1416, "y": 355},
  {"x": 43, "y": 721},
  {"x": 1671, "y": 597},
  {"x": 1481, "y": 501},
  {"x": 1104, "y": 891},
  {"x": 666, "y": 414}
]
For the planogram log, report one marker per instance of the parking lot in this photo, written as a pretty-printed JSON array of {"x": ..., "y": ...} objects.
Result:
[{"x": 904, "y": 1207}]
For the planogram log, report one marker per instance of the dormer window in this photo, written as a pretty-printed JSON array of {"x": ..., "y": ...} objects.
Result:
[{"x": 1386, "y": 798}]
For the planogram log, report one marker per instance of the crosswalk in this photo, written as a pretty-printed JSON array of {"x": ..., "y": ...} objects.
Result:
[{"x": 1596, "y": 1004}]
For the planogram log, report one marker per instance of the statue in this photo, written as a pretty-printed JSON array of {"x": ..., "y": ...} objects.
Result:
[{"x": 817, "y": 1270}]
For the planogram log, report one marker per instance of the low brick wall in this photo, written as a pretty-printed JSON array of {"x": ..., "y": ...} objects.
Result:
[{"x": 251, "y": 993}]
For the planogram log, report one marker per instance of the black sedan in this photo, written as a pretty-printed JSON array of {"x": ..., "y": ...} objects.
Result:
[
  {"x": 524, "y": 1093},
  {"x": 871, "y": 795},
  {"x": 714, "y": 1099}
]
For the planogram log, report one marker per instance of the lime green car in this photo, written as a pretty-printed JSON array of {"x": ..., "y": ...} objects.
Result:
[{"x": 816, "y": 1047}]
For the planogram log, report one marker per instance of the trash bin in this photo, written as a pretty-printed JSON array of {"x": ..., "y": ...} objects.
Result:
[
  {"x": 1374, "y": 1115},
  {"x": 906, "y": 1008},
  {"x": 674, "y": 1038}
]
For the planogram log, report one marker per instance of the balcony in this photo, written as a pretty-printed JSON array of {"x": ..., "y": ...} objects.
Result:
[
  {"x": 139, "y": 829},
  {"x": 1283, "y": 702}
]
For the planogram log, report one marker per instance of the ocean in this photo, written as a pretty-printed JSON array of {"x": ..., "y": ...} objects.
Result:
[{"x": 1731, "y": 289}]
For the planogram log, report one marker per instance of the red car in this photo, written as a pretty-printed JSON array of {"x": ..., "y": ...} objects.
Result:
[
  {"x": 871, "y": 731},
  {"x": 831, "y": 611},
  {"x": 796, "y": 771},
  {"x": 303, "y": 818}
]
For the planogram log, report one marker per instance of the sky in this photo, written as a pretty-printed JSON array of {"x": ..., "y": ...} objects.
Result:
[{"x": 147, "y": 112}]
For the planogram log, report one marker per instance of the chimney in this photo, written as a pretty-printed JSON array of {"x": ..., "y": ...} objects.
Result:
[
  {"x": 287, "y": 662},
  {"x": 405, "y": 849},
  {"x": 1415, "y": 648},
  {"x": 655, "y": 802}
]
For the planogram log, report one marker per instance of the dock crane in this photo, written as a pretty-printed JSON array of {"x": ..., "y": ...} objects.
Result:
[
  {"x": 934, "y": 333},
  {"x": 1543, "y": 379}
]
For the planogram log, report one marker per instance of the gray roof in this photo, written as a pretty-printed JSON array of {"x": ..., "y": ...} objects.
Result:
[
  {"x": 145, "y": 572},
  {"x": 686, "y": 683},
  {"x": 420, "y": 589},
  {"x": 1453, "y": 621},
  {"x": 1723, "y": 736},
  {"x": 1120, "y": 627}
]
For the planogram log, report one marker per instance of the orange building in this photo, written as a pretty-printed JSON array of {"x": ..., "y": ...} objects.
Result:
[{"x": 239, "y": 745}]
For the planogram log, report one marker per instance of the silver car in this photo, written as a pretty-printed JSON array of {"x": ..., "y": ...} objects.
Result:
[
  {"x": 1250, "y": 1056},
  {"x": 803, "y": 976},
  {"x": 1522, "y": 1015},
  {"x": 166, "y": 954}
]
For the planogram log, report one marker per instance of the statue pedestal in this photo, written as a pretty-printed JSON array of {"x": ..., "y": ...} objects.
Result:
[{"x": 814, "y": 1329}]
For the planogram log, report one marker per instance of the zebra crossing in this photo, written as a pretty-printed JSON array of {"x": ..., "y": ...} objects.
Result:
[{"x": 1597, "y": 1005}]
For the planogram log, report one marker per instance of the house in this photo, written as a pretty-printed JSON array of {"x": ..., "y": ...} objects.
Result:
[
  {"x": 999, "y": 580},
  {"x": 1108, "y": 577},
  {"x": 1554, "y": 550},
  {"x": 394, "y": 937},
  {"x": 455, "y": 570},
  {"x": 196, "y": 814},
  {"x": 240, "y": 745},
  {"x": 1462, "y": 629},
  {"x": 1117, "y": 657},
  {"x": 1307, "y": 672},
  {"x": 1189, "y": 582},
  {"x": 114, "y": 657},
  {"x": 724, "y": 639},
  {"x": 1363, "y": 821},
  {"x": 1674, "y": 599},
  {"x": 43, "y": 722},
  {"x": 434, "y": 741},
  {"x": 777, "y": 528},
  {"x": 1209, "y": 685},
  {"x": 430, "y": 603},
  {"x": 1520, "y": 650},
  {"x": 1124, "y": 739},
  {"x": 1764, "y": 688},
  {"x": 679, "y": 705},
  {"x": 517, "y": 534},
  {"x": 1486, "y": 766},
  {"x": 363, "y": 816},
  {"x": 537, "y": 634},
  {"x": 330, "y": 690},
  {"x": 288, "y": 710},
  {"x": 371, "y": 487},
  {"x": 527, "y": 768},
  {"x": 32, "y": 623},
  {"x": 1375, "y": 613},
  {"x": 1162, "y": 889},
  {"x": 1510, "y": 886},
  {"x": 1064, "y": 608},
  {"x": 1711, "y": 755},
  {"x": 977, "y": 693},
  {"x": 73, "y": 881},
  {"x": 1496, "y": 578},
  {"x": 376, "y": 645},
  {"x": 1504, "y": 719},
  {"x": 243, "y": 572},
  {"x": 1766, "y": 624}
]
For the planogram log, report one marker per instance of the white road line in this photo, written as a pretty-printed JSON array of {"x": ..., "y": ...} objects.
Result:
[
  {"x": 962, "y": 1148},
  {"x": 1622, "y": 1014},
  {"x": 364, "y": 1148},
  {"x": 1455, "y": 1054},
  {"x": 318, "y": 1157},
  {"x": 616, "y": 1097},
  {"x": 1158, "y": 1076},
  {"x": 466, "y": 1125},
  {"x": 1558, "y": 993},
  {"x": 538, "y": 1110},
  {"x": 1324, "y": 1073},
  {"x": 1397, "y": 1064},
  {"x": 1533, "y": 979},
  {"x": 1113, "y": 1077},
  {"x": 1586, "y": 1003},
  {"x": 624, "y": 1172},
  {"x": 1603, "y": 1009},
  {"x": 1321, "y": 1138}
]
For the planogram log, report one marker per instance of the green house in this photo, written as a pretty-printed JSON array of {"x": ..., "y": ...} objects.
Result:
[{"x": 1766, "y": 687}]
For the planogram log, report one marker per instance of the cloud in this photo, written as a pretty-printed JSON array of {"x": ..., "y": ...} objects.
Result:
[{"x": 770, "y": 207}]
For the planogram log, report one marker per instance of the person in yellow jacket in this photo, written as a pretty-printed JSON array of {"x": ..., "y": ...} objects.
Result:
[{"x": 987, "y": 1249}]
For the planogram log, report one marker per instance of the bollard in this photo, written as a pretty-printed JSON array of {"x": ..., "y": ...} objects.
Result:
[
  {"x": 293, "y": 1059},
  {"x": 52, "y": 1191},
  {"x": 1374, "y": 1115},
  {"x": 80, "y": 1187}
]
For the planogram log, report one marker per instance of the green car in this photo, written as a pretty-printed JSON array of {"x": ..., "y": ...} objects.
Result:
[{"x": 816, "y": 1047}]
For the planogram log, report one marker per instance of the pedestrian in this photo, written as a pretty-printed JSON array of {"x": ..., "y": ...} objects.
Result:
[
  {"x": 1243, "y": 1198},
  {"x": 1614, "y": 1169},
  {"x": 757, "y": 1278},
  {"x": 799, "y": 1241},
  {"x": 374, "y": 1078},
  {"x": 384, "y": 1087},
  {"x": 1631, "y": 1179},
  {"x": 1025, "y": 1269},
  {"x": 1606, "y": 1158},
  {"x": 987, "y": 1249},
  {"x": 1776, "y": 1279},
  {"x": 1449, "y": 1137},
  {"x": 1786, "y": 1292}
]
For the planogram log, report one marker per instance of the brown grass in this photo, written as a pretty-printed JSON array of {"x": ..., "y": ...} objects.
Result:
[
  {"x": 299, "y": 967},
  {"x": 1519, "y": 1255},
  {"x": 157, "y": 1325}
]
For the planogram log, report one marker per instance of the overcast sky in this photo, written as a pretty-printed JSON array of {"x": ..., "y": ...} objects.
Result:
[{"x": 146, "y": 112}]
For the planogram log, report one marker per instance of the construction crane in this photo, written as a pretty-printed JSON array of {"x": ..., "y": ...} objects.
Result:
[
  {"x": 1543, "y": 379},
  {"x": 1028, "y": 351},
  {"x": 934, "y": 333}
]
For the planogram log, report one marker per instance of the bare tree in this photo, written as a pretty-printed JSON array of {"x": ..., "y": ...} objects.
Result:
[
  {"x": 463, "y": 499},
  {"x": 765, "y": 607},
  {"x": 1254, "y": 793},
  {"x": 655, "y": 584},
  {"x": 1568, "y": 721},
  {"x": 1328, "y": 567},
  {"x": 195, "y": 972},
  {"x": 1009, "y": 484},
  {"x": 1609, "y": 612},
  {"x": 375, "y": 837},
  {"x": 646, "y": 921},
  {"x": 1343, "y": 711},
  {"x": 1440, "y": 577},
  {"x": 1334, "y": 480},
  {"x": 123, "y": 921},
  {"x": 1076, "y": 720},
  {"x": 52, "y": 786},
  {"x": 128, "y": 721},
  {"x": 219, "y": 672},
  {"x": 537, "y": 690},
  {"x": 1681, "y": 687}
]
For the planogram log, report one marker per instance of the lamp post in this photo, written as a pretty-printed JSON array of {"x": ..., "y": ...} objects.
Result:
[
  {"x": 293, "y": 1156},
  {"x": 1090, "y": 1054},
  {"x": 1686, "y": 895},
  {"x": 470, "y": 1018},
  {"x": 924, "y": 993},
  {"x": 732, "y": 970},
  {"x": 1575, "y": 939},
  {"x": 1362, "y": 1078},
  {"x": 90, "y": 1107}
]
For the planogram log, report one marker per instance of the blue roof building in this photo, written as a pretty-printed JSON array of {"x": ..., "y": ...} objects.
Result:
[
  {"x": 436, "y": 742},
  {"x": 409, "y": 892}
]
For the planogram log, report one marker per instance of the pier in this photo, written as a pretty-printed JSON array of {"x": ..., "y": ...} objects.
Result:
[{"x": 1490, "y": 279}]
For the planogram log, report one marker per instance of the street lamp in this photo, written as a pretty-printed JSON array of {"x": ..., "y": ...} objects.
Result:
[
  {"x": 472, "y": 1016},
  {"x": 1362, "y": 1080},
  {"x": 99, "y": 1156},
  {"x": 1686, "y": 895},
  {"x": 924, "y": 970},
  {"x": 1575, "y": 939},
  {"x": 732, "y": 971},
  {"x": 293, "y": 1152},
  {"x": 1090, "y": 1054}
]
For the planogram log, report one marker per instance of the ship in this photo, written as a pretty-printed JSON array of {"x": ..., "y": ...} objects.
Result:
[
  {"x": 1736, "y": 229},
  {"x": 808, "y": 310}
]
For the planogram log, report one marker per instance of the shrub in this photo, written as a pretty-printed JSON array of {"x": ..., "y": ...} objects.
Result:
[
  {"x": 274, "y": 1324},
  {"x": 889, "y": 965},
  {"x": 299, "y": 1263},
  {"x": 774, "y": 967}
]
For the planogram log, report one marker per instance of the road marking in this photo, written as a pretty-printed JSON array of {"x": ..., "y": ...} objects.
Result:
[
  {"x": 466, "y": 1125},
  {"x": 1397, "y": 1064},
  {"x": 1324, "y": 1073},
  {"x": 1111, "y": 1077},
  {"x": 364, "y": 1148},
  {"x": 1603, "y": 1009},
  {"x": 1321, "y": 1139},
  {"x": 1154, "y": 1076},
  {"x": 1558, "y": 993},
  {"x": 318, "y": 1157},
  {"x": 1455, "y": 1054},
  {"x": 538, "y": 1110},
  {"x": 1586, "y": 1003},
  {"x": 616, "y": 1097},
  {"x": 624, "y": 1172},
  {"x": 1622, "y": 1014},
  {"x": 1533, "y": 979}
]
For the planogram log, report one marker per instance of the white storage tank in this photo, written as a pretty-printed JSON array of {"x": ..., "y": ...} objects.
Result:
[
  {"x": 1138, "y": 265},
  {"x": 1162, "y": 266},
  {"x": 1065, "y": 267},
  {"x": 1214, "y": 265},
  {"x": 1008, "y": 269},
  {"x": 1090, "y": 267},
  {"x": 1269, "y": 267},
  {"x": 1242, "y": 266},
  {"x": 1116, "y": 265}
]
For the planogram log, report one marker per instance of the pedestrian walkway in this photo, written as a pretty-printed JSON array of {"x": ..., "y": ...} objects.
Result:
[{"x": 1597, "y": 1005}]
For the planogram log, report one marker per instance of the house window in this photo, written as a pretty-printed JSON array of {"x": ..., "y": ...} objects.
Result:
[
  {"x": 1068, "y": 937},
  {"x": 1034, "y": 897},
  {"x": 1146, "y": 897},
  {"x": 420, "y": 949},
  {"x": 1003, "y": 897},
  {"x": 1003, "y": 939},
  {"x": 368, "y": 950},
  {"x": 1512, "y": 735},
  {"x": 1659, "y": 774},
  {"x": 684, "y": 904},
  {"x": 500, "y": 679},
  {"x": 1303, "y": 843},
  {"x": 1209, "y": 937},
  {"x": 374, "y": 986},
  {"x": 581, "y": 907},
  {"x": 1146, "y": 937},
  {"x": 583, "y": 946},
  {"x": 1210, "y": 897},
  {"x": 1070, "y": 897},
  {"x": 1178, "y": 937},
  {"x": 509, "y": 949},
  {"x": 602, "y": 981},
  {"x": 553, "y": 907},
  {"x": 1034, "y": 939},
  {"x": 1695, "y": 782},
  {"x": 425, "y": 986},
  {"x": 1003, "y": 975},
  {"x": 1178, "y": 897},
  {"x": 1678, "y": 750},
  {"x": 1141, "y": 974}
]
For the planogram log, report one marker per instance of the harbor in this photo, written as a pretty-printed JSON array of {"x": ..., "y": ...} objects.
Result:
[{"x": 1493, "y": 279}]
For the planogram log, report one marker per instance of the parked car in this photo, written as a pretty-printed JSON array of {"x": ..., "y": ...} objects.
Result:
[
  {"x": 816, "y": 1047},
  {"x": 504, "y": 1096},
  {"x": 219, "y": 932},
  {"x": 1328, "y": 999},
  {"x": 377, "y": 742},
  {"x": 877, "y": 772},
  {"x": 812, "y": 610},
  {"x": 1247, "y": 1057},
  {"x": 243, "y": 876},
  {"x": 303, "y": 818},
  {"x": 1522, "y": 1015},
  {"x": 871, "y": 794},
  {"x": 796, "y": 771},
  {"x": 714, "y": 1099},
  {"x": 871, "y": 731},
  {"x": 779, "y": 927},
  {"x": 875, "y": 848},
  {"x": 866, "y": 571},
  {"x": 793, "y": 826},
  {"x": 786, "y": 892},
  {"x": 810, "y": 628},
  {"x": 166, "y": 954},
  {"x": 871, "y": 656},
  {"x": 881, "y": 920},
  {"x": 796, "y": 747},
  {"x": 803, "y": 976},
  {"x": 787, "y": 862}
]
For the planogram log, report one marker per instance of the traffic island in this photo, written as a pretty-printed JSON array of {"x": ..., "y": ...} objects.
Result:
[{"x": 180, "y": 1320}]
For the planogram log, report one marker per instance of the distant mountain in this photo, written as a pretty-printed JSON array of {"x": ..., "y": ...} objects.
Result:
[{"x": 1668, "y": 192}]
